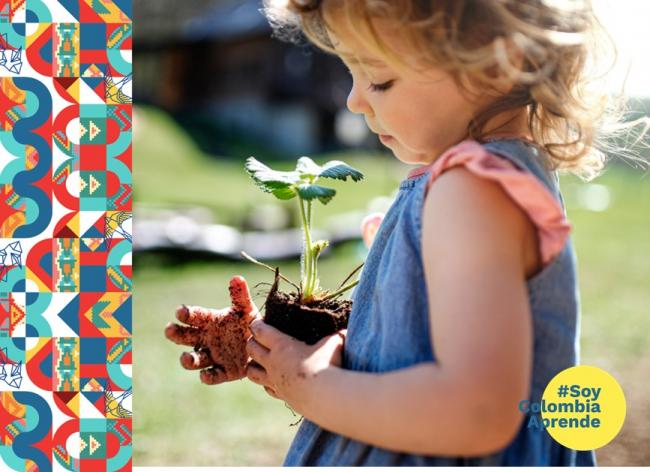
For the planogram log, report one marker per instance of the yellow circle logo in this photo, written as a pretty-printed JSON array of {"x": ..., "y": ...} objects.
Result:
[{"x": 583, "y": 408}]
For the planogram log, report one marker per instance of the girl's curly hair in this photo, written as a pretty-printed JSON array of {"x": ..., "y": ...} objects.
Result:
[{"x": 548, "y": 49}]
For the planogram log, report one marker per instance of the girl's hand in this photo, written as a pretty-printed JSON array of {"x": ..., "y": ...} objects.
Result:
[
  {"x": 284, "y": 365},
  {"x": 218, "y": 336}
]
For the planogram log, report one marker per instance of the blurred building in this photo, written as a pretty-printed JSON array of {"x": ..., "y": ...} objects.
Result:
[{"x": 214, "y": 65}]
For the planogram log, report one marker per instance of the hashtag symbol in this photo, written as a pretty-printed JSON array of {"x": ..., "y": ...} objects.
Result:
[{"x": 562, "y": 391}]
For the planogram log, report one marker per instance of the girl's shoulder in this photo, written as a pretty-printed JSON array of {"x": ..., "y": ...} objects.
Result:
[{"x": 507, "y": 176}]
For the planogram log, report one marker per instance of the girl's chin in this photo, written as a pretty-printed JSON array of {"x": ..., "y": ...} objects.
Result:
[{"x": 410, "y": 157}]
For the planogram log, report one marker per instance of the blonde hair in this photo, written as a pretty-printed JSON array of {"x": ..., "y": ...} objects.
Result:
[{"x": 546, "y": 48}]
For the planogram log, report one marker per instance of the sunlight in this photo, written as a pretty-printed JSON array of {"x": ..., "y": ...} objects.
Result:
[{"x": 626, "y": 21}]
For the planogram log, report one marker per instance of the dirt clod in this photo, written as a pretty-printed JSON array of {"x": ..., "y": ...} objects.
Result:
[{"x": 308, "y": 323}]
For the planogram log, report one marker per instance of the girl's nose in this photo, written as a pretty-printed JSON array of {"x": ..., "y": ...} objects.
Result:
[{"x": 356, "y": 103}]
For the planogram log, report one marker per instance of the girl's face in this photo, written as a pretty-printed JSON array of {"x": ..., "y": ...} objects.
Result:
[{"x": 416, "y": 116}]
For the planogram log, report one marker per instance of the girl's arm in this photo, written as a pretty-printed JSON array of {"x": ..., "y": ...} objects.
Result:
[{"x": 473, "y": 244}]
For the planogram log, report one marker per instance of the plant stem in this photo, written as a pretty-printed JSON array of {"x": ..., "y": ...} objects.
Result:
[
  {"x": 314, "y": 255},
  {"x": 307, "y": 251},
  {"x": 255, "y": 261},
  {"x": 341, "y": 290},
  {"x": 351, "y": 274}
]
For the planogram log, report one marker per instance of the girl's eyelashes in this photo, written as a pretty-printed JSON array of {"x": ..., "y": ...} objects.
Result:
[{"x": 381, "y": 87}]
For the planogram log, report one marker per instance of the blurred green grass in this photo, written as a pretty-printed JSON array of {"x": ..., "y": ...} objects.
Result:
[{"x": 179, "y": 421}]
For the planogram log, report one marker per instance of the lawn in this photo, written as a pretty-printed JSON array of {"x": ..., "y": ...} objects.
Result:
[{"x": 179, "y": 421}]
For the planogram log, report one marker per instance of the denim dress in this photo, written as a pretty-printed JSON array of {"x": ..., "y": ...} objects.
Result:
[{"x": 382, "y": 336}]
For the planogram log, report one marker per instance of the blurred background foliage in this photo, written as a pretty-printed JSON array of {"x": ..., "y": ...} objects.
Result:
[{"x": 211, "y": 89}]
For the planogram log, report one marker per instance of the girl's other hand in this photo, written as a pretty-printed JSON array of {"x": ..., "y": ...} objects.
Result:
[
  {"x": 283, "y": 365},
  {"x": 218, "y": 336}
]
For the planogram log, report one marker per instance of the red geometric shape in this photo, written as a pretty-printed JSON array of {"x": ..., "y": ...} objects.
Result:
[
  {"x": 62, "y": 84},
  {"x": 93, "y": 258},
  {"x": 64, "y": 229},
  {"x": 61, "y": 399},
  {"x": 93, "y": 157},
  {"x": 42, "y": 251},
  {"x": 87, "y": 14},
  {"x": 33, "y": 367},
  {"x": 93, "y": 56},
  {"x": 35, "y": 56},
  {"x": 127, "y": 44},
  {"x": 97, "y": 371},
  {"x": 92, "y": 465}
]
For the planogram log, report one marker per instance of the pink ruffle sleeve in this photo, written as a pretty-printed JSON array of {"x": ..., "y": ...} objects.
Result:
[{"x": 524, "y": 188}]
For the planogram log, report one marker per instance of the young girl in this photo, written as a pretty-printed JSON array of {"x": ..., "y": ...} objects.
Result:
[{"x": 468, "y": 301}]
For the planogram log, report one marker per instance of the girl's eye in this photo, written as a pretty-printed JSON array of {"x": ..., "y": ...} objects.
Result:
[{"x": 381, "y": 87}]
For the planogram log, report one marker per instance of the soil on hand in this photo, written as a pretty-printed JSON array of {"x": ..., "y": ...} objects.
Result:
[{"x": 308, "y": 323}]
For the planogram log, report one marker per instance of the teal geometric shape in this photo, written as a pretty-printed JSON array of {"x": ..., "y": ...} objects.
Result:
[
  {"x": 95, "y": 130},
  {"x": 92, "y": 204},
  {"x": 94, "y": 183},
  {"x": 90, "y": 440},
  {"x": 97, "y": 310}
]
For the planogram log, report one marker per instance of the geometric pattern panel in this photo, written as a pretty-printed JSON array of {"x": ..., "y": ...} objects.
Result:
[{"x": 65, "y": 235}]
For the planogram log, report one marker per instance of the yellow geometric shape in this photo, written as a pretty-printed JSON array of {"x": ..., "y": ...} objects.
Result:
[
  {"x": 74, "y": 89},
  {"x": 74, "y": 224},
  {"x": 29, "y": 275},
  {"x": 74, "y": 404},
  {"x": 31, "y": 157},
  {"x": 11, "y": 406},
  {"x": 110, "y": 327},
  {"x": 8, "y": 226}
]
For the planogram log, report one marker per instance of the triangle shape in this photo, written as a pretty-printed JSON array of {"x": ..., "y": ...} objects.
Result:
[
  {"x": 92, "y": 244},
  {"x": 66, "y": 232},
  {"x": 97, "y": 400},
  {"x": 88, "y": 93},
  {"x": 123, "y": 314},
  {"x": 72, "y": 6},
  {"x": 93, "y": 386},
  {"x": 82, "y": 131},
  {"x": 93, "y": 71},
  {"x": 93, "y": 233},
  {"x": 66, "y": 396},
  {"x": 94, "y": 444},
  {"x": 70, "y": 314},
  {"x": 67, "y": 402},
  {"x": 94, "y": 183},
  {"x": 74, "y": 90},
  {"x": 96, "y": 312},
  {"x": 88, "y": 220},
  {"x": 94, "y": 130}
]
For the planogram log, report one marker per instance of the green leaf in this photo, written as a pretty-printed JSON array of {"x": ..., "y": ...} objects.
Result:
[
  {"x": 285, "y": 193},
  {"x": 311, "y": 191},
  {"x": 340, "y": 170},
  {"x": 274, "y": 178},
  {"x": 308, "y": 167}
]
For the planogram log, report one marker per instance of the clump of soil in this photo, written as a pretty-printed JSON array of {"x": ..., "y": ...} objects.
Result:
[{"x": 308, "y": 323}]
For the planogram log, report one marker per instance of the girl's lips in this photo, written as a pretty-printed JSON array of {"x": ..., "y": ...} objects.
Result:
[{"x": 384, "y": 138}]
